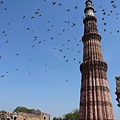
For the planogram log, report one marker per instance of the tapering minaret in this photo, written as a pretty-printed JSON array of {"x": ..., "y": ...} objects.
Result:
[{"x": 95, "y": 101}]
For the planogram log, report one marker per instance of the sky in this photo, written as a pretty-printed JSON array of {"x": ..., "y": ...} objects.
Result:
[{"x": 41, "y": 51}]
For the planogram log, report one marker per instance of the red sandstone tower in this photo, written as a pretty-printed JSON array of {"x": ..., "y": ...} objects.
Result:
[{"x": 95, "y": 102}]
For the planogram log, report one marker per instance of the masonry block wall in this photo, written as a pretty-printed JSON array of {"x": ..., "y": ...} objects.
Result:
[
  {"x": 4, "y": 115},
  {"x": 95, "y": 101}
]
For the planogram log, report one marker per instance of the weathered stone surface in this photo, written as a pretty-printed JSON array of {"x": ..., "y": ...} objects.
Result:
[
  {"x": 95, "y": 101},
  {"x": 4, "y": 115},
  {"x": 118, "y": 89}
]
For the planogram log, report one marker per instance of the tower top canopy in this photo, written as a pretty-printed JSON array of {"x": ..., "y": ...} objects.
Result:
[
  {"x": 88, "y": 1},
  {"x": 89, "y": 9}
]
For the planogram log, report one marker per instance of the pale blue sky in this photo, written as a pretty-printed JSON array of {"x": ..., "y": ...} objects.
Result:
[{"x": 41, "y": 53}]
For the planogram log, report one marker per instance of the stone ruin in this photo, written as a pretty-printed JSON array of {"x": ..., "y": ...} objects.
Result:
[
  {"x": 118, "y": 89},
  {"x": 38, "y": 115}
]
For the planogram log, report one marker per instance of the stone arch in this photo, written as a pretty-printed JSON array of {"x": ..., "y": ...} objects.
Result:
[
  {"x": 44, "y": 118},
  {"x": 15, "y": 118}
]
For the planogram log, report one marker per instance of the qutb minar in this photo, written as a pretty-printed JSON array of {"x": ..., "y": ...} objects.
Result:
[{"x": 95, "y": 101}]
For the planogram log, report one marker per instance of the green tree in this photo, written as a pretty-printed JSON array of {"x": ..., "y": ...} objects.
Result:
[
  {"x": 59, "y": 118},
  {"x": 69, "y": 116},
  {"x": 24, "y": 109}
]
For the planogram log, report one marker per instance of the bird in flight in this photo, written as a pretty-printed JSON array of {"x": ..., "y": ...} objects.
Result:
[
  {"x": 1, "y": 2},
  {"x": 2, "y": 75},
  {"x": 53, "y": 3}
]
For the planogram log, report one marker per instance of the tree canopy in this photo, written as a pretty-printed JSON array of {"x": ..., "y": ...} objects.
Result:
[
  {"x": 24, "y": 109},
  {"x": 69, "y": 116}
]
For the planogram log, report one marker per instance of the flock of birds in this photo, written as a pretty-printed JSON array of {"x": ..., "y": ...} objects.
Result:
[
  {"x": 106, "y": 14},
  {"x": 67, "y": 25}
]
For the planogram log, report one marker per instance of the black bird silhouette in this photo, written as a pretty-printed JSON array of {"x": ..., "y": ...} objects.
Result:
[
  {"x": 28, "y": 28},
  {"x": 103, "y": 10},
  {"x": 6, "y": 41},
  {"x": 40, "y": 42},
  {"x": 112, "y": 1},
  {"x": 53, "y": 3},
  {"x": 118, "y": 31},
  {"x": 66, "y": 80},
  {"x": 3, "y": 31},
  {"x": 2, "y": 75},
  {"x": 1, "y": 2},
  {"x": 32, "y": 17},
  {"x": 100, "y": 6},
  {"x": 102, "y": 18},
  {"x": 76, "y": 7},
  {"x": 33, "y": 46},
  {"x": 104, "y": 13},
  {"x": 73, "y": 24},
  {"x": 68, "y": 10},
  {"x": 105, "y": 23},
  {"x": 59, "y": 4},
  {"x": 66, "y": 60},
  {"x": 104, "y": 30},
  {"x": 16, "y": 54},
  {"x": 51, "y": 38},
  {"x": 95, "y": 11},
  {"x": 37, "y": 13},
  {"x": 5, "y": 8},
  {"x": 48, "y": 30}
]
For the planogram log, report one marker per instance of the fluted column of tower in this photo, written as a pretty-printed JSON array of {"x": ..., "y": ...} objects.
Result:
[{"x": 95, "y": 101}]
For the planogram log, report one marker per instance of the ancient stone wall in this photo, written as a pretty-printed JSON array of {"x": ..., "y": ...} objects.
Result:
[{"x": 23, "y": 116}]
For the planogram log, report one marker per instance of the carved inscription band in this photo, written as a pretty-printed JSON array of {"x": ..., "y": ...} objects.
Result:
[
  {"x": 96, "y": 103},
  {"x": 92, "y": 36},
  {"x": 92, "y": 65},
  {"x": 89, "y": 88}
]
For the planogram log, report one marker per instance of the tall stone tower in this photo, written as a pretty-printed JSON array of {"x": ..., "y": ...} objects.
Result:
[{"x": 95, "y": 102}]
